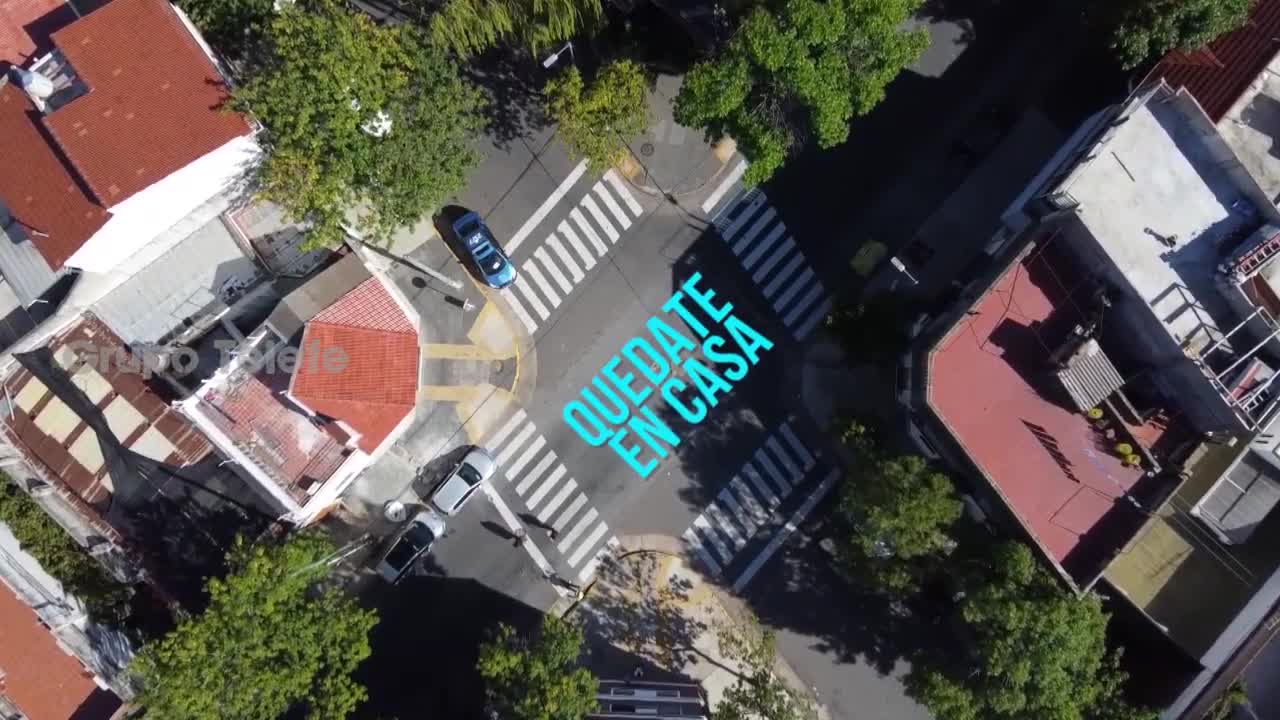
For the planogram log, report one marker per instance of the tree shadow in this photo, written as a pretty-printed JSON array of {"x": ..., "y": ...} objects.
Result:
[
  {"x": 511, "y": 81},
  {"x": 633, "y": 608}
]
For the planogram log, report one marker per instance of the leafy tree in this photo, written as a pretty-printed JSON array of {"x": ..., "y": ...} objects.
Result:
[
  {"x": 1032, "y": 650},
  {"x": 900, "y": 512},
  {"x": 358, "y": 116},
  {"x": 231, "y": 26},
  {"x": 872, "y": 330},
  {"x": 805, "y": 70},
  {"x": 468, "y": 27},
  {"x": 537, "y": 677},
  {"x": 43, "y": 539},
  {"x": 1149, "y": 28},
  {"x": 758, "y": 693},
  {"x": 271, "y": 639},
  {"x": 594, "y": 120}
]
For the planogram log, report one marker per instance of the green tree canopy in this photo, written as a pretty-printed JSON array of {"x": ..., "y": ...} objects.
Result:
[
  {"x": 595, "y": 119},
  {"x": 1034, "y": 650},
  {"x": 805, "y": 69},
  {"x": 468, "y": 27},
  {"x": 537, "y": 677},
  {"x": 900, "y": 512},
  {"x": 331, "y": 82},
  {"x": 269, "y": 640},
  {"x": 231, "y": 26},
  {"x": 757, "y": 692},
  {"x": 1147, "y": 29}
]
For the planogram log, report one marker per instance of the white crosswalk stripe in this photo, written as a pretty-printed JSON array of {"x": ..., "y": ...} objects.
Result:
[
  {"x": 547, "y": 486},
  {"x": 532, "y": 476},
  {"x": 565, "y": 257},
  {"x": 727, "y": 499},
  {"x": 562, "y": 253},
  {"x": 522, "y": 285},
  {"x": 537, "y": 473},
  {"x": 581, "y": 221},
  {"x": 544, "y": 258},
  {"x": 531, "y": 271},
  {"x": 529, "y": 454},
  {"x": 773, "y": 259},
  {"x": 761, "y": 459},
  {"x": 755, "y": 233},
  {"x": 792, "y": 289},
  {"x": 691, "y": 538},
  {"x": 612, "y": 205},
  {"x": 569, "y": 512},
  {"x": 620, "y": 187},
  {"x": 750, "y": 260},
  {"x": 588, "y": 543},
  {"x": 795, "y": 262},
  {"x": 765, "y": 491},
  {"x": 759, "y": 225},
  {"x": 710, "y": 534},
  {"x": 809, "y": 298},
  {"x": 725, "y": 526},
  {"x": 507, "y": 451},
  {"x": 521, "y": 313},
  {"x": 588, "y": 260},
  {"x": 583, "y": 523},
  {"x": 545, "y": 513},
  {"x": 610, "y": 231},
  {"x": 737, "y": 515}
]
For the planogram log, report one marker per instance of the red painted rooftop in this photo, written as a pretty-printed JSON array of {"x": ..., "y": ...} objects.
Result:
[
  {"x": 990, "y": 383},
  {"x": 25, "y": 26},
  {"x": 1219, "y": 74},
  {"x": 378, "y": 386},
  {"x": 39, "y": 677}
]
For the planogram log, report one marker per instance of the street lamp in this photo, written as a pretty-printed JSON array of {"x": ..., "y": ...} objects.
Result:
[
  {"x": 902, "y": 268},
  {"x": 556, "y": 56}
]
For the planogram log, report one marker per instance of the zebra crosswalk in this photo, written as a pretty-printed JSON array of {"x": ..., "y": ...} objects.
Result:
[
  {"x": 548, "y": 274},
  {"x": 750, "y": 502},
  {"x": 762, "y": 245},
  {"x": 578, "y": 533}
]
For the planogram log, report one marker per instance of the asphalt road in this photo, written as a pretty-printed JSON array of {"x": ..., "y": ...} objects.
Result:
[{"x": 780, "y": 256}]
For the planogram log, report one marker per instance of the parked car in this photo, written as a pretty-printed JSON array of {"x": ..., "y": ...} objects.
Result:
[
  {"x": 414, "y": 540},
  {"x": 493, "y": 266},
  {"x": 474, "y": 470}
]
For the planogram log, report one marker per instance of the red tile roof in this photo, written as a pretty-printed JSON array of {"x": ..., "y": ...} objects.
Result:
[
  {"x": 987, "y": 381},
  {"x": 153, "y": 104},
  {"x": 37, "y": 187},
  {"x": 378, "y": 385},
  {"x": 25, "y": 26},
  {"x": 38, "y": 676},
  {"x": 1217, "y": 75}
]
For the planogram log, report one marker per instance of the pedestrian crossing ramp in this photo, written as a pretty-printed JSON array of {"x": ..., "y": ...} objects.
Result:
[
  {"x": 549, "y": 273},
  {"x": 573, "y": 527},
  {"x": 744, "y": 525},
  {"x": 759, "y": 239}
]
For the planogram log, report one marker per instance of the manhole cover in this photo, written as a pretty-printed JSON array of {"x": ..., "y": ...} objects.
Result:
[
  {"x": 418, "y": 282},
  {"x": 646, "y": 149}
]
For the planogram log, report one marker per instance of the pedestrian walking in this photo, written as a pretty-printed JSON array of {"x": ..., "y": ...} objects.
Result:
[
  {"x": 551, "y": 533},
  {"x": 518, "y": 537}
]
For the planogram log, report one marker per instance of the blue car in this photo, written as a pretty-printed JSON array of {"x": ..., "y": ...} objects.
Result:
[{"x": 491, "y": 263}]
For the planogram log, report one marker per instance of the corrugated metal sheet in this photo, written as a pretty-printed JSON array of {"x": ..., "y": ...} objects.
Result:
[
  {"x": 186, "y": 283},
  {"x": 22, "y": 266},
  {"x": 1089, "y": 376}
]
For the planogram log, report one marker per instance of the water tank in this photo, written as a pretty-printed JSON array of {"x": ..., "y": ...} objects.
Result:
[{"x": 36, "y": 85}]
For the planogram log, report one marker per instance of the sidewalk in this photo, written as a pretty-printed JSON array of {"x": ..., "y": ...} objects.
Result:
[{"x": 648, "y": 605}]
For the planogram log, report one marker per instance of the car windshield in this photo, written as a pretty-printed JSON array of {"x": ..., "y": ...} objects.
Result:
[
  {"x": 415, "y": 539},
  {"x": 469, "y": 474},
  {"x": 488, "y": 258}
]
